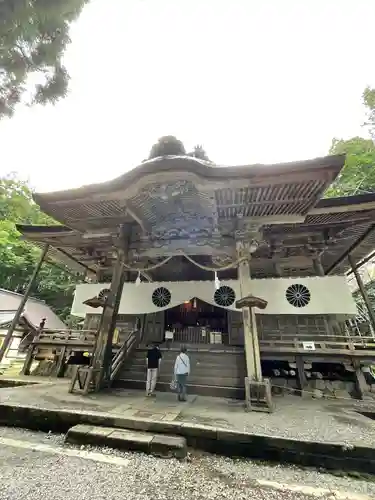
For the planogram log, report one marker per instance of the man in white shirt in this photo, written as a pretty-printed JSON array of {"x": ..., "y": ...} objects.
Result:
[{"x": 181, "y": 373}]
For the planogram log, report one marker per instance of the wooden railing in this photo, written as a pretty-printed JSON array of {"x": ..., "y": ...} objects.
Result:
[
  {"x": 62, "y": 343},
  {"x": 283, "y": 342},
  {"x": 321, "y": 343},
  {"x": 198, "y": 335},
  {"x": 129, "y": 345}
]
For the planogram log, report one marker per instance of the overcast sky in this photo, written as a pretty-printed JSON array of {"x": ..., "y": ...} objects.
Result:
[{"x": 252, "y": 80}]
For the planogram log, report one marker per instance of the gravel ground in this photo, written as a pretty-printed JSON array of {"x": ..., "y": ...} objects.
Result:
[
  {"x": 296, "y": 418},
  {"x": 30, "y": 475}
]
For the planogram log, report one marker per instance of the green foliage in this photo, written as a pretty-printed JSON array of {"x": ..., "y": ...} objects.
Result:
[
  {"x": 358, "y": 174},
  {"x": 55, "y": 285},
  {"x": 33, "y": 37},
  {"x": 369, "y": 102},
  {"x": 167, "y": 145}
]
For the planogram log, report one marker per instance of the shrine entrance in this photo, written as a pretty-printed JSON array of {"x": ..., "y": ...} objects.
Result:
[{"x": 196, "y": 322}]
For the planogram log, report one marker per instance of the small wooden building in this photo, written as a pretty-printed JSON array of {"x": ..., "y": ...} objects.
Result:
[{"x": 34, "y": 312}]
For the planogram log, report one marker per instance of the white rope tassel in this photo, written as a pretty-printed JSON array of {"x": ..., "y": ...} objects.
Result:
[
  {"x": 138, "y": 280},
  {"x": 217, "y": 281}
]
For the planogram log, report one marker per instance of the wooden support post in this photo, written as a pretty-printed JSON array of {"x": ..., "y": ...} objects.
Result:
[
  {"x": 107, "y": 365},
  {"x": 103, "y": 351},
  {"x": 277, "y": 269},
  {"x": 362, "y": 291},
  {"x": 360, "y": 381},
  {"x": 74, "y": 378},
  {"x": 60, "y": 367},
  {"x": 319, "y": 269},
  {"x": 17, "y": 316},
  {"x": 257, "y": 390},
  {"x": 301, "y": 377},
  {"x": 28, "y": 361},
  {"x": 97, "y": 375},
  {"x": 252, "y": 355},
  {"x": 122, "y": 276}
]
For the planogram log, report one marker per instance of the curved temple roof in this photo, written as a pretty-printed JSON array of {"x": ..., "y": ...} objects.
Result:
[
  {"x": 350, "y": 222},
  {"x": 207, "y": 190},
  {"x": 206, "y": 170},
  {"x": 182, "y": 202}
]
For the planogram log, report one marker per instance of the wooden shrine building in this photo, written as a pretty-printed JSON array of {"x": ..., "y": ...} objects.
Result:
[{"x": 169, "y": 250}]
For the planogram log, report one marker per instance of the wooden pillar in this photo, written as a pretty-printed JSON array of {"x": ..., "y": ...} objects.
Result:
[
  {"x": 103, "y": 350},
  {"x": 318, "y": 266},
  {"x": 301, "y": 377},
  {"x": 17, "y": 316},
  {"x": 108, "y": 352},
  {"x": 319, "y": 269},
  {"x": 251, "y": 342},
  {"x": 360, "y": 381},
  {"x": 28, "y": 361},
  {"x": 362, "y": 291},
  {"x": 277, "y": 269}
]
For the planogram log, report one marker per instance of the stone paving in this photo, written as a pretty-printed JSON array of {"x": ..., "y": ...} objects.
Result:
[{"x": 298, "y": 418}]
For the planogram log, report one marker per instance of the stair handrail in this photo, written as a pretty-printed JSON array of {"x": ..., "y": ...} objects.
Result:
[{"x": 125, "y": 350}]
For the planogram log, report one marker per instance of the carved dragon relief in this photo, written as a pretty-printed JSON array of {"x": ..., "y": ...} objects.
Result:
[{"x": 176, "y": 206}]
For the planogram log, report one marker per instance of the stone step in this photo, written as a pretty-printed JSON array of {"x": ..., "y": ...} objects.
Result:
[
  {"x": 209, "y": 355},
  {"x": 196, "y": 371},
  {"x": 203, "y": 362},
  {"x": 154, "y": 444},
  {"x": 193, "y": 379}
]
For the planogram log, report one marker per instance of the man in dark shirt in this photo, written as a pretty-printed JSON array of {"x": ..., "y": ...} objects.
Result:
[{"x": 153, "y": 363}]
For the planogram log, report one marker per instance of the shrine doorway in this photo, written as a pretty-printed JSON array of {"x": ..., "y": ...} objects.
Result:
[{"x": 196, "y": 322}]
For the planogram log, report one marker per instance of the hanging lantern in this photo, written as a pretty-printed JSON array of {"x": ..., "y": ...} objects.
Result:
[
  {"x": 138, "y": 280},
  {"x": 217, "y": 281},
  {"x": 194, "y": 303}
]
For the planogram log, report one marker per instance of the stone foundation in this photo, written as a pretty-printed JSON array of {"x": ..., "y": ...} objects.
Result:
[{"x": 316, "y": 388}]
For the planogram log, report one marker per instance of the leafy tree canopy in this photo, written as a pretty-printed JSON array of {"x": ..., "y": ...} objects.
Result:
[
  {"x": 55, "y": 285},
  {"x": 369, "y": 102},
  {"x": 33, "y": 37},
  {"x": 358, "y": 174}
]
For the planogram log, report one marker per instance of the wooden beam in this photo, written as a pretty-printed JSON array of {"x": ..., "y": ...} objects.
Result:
[
  {"x": 136, "y": 218},
  {"x": 189, "y": 246},
  {"x": 343, "y": 209},
  {"x": 362, "y": 262},
  {"x": 363, "y": 292},
  {"x": 271, "y": 201},
  {"x": 351, "y": 249}
]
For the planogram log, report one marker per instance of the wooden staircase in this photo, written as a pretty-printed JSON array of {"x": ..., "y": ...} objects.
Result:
[{"x": 214, "y": 372}]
